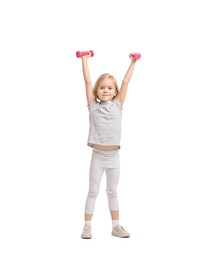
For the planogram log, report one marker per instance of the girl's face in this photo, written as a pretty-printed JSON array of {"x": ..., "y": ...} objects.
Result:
[{"x": 106, "y": 90}]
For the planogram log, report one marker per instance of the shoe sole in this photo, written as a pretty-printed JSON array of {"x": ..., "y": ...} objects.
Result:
[
  {"x": 115, "y": 235},
  {"x": 86, "y": 237}
]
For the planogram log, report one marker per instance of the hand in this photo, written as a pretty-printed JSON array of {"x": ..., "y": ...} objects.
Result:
[
  {"x": 86, "y": 56},
  {"x": 80, "y": 54},
  {"x": 135, "y": 56}
]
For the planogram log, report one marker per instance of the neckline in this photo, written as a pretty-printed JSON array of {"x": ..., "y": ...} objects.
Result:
[{"x": 105, "y": 102}]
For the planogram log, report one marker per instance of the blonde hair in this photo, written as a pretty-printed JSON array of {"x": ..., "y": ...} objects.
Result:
[{"x": 99, "y": 80}]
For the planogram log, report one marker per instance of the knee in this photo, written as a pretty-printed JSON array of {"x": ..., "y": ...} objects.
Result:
[
  {"x": 111, "y": 193},
  {"x": 92, "y": 193}
]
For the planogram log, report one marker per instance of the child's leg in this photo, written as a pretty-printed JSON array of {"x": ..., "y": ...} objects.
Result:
[
  {"x": 112, "y": 183},
  {"x": 95, "y": 177},
  {"x": 112, "y": 175}
]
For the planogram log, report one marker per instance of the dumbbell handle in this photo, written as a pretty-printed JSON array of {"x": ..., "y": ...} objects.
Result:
[
  {"x": 136, "y": 55},
  {"x": 79, "y": 54}
]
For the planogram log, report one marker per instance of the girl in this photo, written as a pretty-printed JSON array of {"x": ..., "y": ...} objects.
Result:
[{"x": 105, "y": 102}]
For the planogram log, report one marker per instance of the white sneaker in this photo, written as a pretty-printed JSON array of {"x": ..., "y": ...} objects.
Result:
[
  {"x": 86, "y": 233},
  {"x": 119, "y": 231}
]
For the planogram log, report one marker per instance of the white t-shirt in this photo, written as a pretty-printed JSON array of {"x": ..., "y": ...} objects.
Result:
[{"x": 105, "y": 123}]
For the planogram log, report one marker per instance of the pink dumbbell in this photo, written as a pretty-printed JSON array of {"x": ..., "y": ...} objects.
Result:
[
  {"x": 136, "y": 55},
  {"x": 83, "y": 53}
]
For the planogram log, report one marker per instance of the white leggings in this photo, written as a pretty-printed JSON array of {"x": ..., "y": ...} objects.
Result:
[{"x": 101, "y": 161}]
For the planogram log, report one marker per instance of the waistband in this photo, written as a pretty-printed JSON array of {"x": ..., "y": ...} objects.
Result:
[{"x": 106, "y": 153}]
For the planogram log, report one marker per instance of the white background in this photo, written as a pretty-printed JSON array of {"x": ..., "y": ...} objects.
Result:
[{"x": 165, "y": 186}]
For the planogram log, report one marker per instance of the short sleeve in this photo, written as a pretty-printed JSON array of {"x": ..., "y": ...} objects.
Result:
[
  {"x": 118, "y": 103},
  {"x": 92, "y": 104}
]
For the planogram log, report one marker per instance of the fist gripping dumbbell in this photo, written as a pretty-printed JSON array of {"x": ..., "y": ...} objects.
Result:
[
  {"x": 136, "y": 55},
  {"x": 79, "y": 54}
]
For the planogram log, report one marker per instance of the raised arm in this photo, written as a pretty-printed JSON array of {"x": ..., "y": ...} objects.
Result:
[
  {"x": 87, "y": 79},
  {"x": 123, "y": 90}
]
